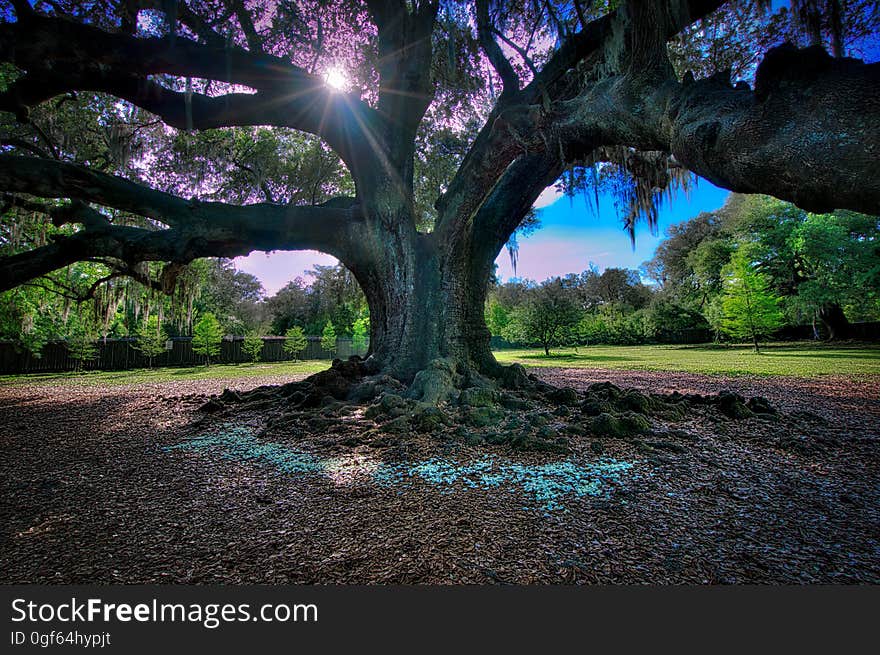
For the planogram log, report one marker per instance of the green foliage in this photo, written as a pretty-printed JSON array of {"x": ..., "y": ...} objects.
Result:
[
  {"x": 587, "y": 307},
  {"x": 253, "y": 164},
  {"x": 750, "y": 308},
  {"x": 611, "y": 325},
  {"x": 253, "y": 346},
  {"x": 664, "y": 316},
  {"x": 333, "y": 295},
  {"x": 548, "y": 316},
  {"x": 328, "y": 338},
  {"x": 81, "y": 339},
  {"x": 360, "y": 332},
  {"x": 207, "y": 336},
  {"x": 295, "y": 341},
  {"x": 151, "y": 338},
  {"x": 27, "y": 318},
  {"x": 497, "y": 317},
  {"x": 820, "y": 265}
]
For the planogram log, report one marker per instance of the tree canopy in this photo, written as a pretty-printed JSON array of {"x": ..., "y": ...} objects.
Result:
[{"x": 823, "y": 266}]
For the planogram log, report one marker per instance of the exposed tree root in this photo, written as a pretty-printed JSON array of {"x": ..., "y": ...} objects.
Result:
[{"x": 450, "y": 404}]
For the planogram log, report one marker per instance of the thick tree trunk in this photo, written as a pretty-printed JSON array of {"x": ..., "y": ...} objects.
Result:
[{"x": 426, "y": 301}]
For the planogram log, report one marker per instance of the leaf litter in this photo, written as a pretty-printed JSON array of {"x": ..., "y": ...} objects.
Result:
[{"x": 108, "y": 485}]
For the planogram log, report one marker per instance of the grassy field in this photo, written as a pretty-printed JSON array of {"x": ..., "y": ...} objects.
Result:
[
  {"x": 798, "y": 359},
  {"x": 145, "y": 376}
]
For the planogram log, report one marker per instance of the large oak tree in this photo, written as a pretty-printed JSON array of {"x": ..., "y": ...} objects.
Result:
[{"x": 554, "y": 85}]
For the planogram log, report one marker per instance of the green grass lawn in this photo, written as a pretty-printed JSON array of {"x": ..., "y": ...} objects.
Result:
[
  {"x": 798, "y": 359},
  {"x": 144, "y": 375}
]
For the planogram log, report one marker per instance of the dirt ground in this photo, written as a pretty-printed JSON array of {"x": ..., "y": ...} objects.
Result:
[{"x": 107, "y": 485}]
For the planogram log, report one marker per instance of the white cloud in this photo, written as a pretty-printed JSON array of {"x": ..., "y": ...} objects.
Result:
[{"x": 548, "y": 196}]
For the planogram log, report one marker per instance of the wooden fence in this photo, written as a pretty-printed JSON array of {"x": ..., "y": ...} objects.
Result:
[{"x": 119, "y": 354}]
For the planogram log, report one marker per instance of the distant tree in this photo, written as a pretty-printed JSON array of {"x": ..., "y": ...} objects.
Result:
[
  {"x": 291, "y": 305},
  {"x": 332, "y": 294},
  {"x": 750, "y": 308},
  {"x": 665, "y": 315},
  {"x": 547, "y": 316},
  {"x": 295, "y": 341},
  {"x": 360, "y": 331},
  {"x": 81, "y": 340},
  {"x": 328, "y": 338},
  {"x": 687, "y": 265},
  {"x": 619, "y": 286},
  {"x": 253, "y": 346},
  {"x": 824, "y": 265},
  {"x": 497, "y": 317},
  {"x": 207, "y": 336},
  {"x": 233, "y": 296},
  {"x": 150, "y": 340}
]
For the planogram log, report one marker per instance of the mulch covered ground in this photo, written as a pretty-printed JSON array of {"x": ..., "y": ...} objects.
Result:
[{"x": 108, "y": 485}]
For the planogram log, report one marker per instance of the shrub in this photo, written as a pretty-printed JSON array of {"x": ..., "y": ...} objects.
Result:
[
  {"x": 253, "y": 346},
  {"x": 151, "y": 338},
  {"x": 328, "y": 338},
  {"x": 207, "y": 336},
  {"x": 295, "y": 341}
]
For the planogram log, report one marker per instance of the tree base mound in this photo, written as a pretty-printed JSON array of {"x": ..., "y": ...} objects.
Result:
[{"x": 347, "y": 407}]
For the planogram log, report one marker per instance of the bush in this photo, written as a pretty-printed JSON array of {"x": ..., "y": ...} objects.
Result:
[
  {"x": 207, "y": 337},
  {"x": 613, "y": 327},
  {"x": 253, "y": 346},
  {"x": 151, "y": 338},
  {"x": 328, "y": 338},
  {"x": 295, "y": 341},
  {"x": 664, "y": 316}
]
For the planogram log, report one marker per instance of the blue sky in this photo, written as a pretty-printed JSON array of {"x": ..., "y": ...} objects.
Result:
[{"x": 571, "y": 237}]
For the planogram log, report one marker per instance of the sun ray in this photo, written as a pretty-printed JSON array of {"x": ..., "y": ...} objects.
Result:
[{"x": 336, "y": 79}]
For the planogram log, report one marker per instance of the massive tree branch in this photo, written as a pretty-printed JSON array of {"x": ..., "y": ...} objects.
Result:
[
  {"x": 405, "y": 85},
  {"x": 568, "y": 71},
  {"x": 198, "y": 229},
  {"x": 792, "y": 137},
  {"x": 493, "y": 51},
  {"x": 60, "y": 55},
  {"x": 52, "y": 179}
]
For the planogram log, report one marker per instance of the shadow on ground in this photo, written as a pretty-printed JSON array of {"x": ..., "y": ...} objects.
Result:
[{"x": 108, "y": 485}]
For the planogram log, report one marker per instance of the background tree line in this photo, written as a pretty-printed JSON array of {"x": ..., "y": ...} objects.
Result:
[
  {"x": 744, "y": 271},
  {"x": 211, "y": 299},
  {"x": 753, "y": 266}
]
